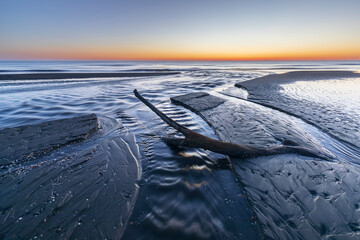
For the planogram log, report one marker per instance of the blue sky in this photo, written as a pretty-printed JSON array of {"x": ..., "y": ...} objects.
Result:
[{"x": 144, "y": 29}]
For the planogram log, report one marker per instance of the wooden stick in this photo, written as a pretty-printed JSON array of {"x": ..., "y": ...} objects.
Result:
[{"x": 165, "y": 118}]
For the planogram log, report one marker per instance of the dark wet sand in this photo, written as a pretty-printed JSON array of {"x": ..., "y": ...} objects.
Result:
[
  {"x": 34, "y": 76},
  {"x": 30, "y": 140},
  {"x": 293, "y": 197},
  {"x": 83, "y": 191},
  {"x": 246, "y": 124}
]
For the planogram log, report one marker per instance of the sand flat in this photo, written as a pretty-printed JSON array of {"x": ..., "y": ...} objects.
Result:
[
  {"x": 82, "y": 191},
  {"x": 269, "y": 91},
  {"x": 32, "y": 140},
  {"x": 294, "y": 197}
]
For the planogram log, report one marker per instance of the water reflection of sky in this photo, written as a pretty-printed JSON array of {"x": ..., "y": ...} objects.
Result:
[{"x": 341, "y": 93}]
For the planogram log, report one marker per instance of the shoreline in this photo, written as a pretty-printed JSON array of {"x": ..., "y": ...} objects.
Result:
[{"x": 52, "y": 76}]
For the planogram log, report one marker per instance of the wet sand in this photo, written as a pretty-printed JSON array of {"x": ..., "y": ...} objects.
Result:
[
  {"x": 28, "y": 141},
  {"x": 48, "y": 76},
  {"x": 269, "y": 91},
  {"x": 84, "y": 190},
  {"x": 294, "y": 197},
  {"x": 246, "y": 124}
]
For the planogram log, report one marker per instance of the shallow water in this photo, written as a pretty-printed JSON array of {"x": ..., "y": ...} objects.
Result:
[
  {"x": 183, "y": 192},
  {"x": 337, "y": 104}
]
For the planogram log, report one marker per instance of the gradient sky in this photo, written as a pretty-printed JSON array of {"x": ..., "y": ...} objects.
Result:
[{"x": 180, "y": 29}]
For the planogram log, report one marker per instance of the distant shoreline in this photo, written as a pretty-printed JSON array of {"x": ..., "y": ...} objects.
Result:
[{"x": 38, "y": 76}]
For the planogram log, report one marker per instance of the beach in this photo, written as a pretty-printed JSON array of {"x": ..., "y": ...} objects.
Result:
[{"x": 96, "y": 165}]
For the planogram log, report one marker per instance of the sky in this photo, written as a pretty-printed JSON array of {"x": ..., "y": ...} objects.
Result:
[{"x": 179, "y": 29}]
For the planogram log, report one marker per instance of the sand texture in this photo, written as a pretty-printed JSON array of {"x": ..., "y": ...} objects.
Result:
[
  {"x": 269, "y": 91},
  {"x": 82, "y": 191},
  {"x": 24, "y": 142},
  {"x": 294, "y": 197}
]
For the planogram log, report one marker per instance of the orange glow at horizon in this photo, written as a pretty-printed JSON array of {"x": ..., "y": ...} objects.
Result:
[{"x": 186, "y": 55}]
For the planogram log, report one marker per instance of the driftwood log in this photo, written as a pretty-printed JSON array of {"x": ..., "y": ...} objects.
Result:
[{"x": 196, "y": 140}]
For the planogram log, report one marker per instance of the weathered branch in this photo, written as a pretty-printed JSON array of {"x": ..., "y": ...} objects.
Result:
[
  {"x": 196, "y": 140},
  {"x": 165, "y": 118}
]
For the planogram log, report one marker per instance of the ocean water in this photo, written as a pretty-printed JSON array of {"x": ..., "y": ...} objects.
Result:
[{"x": 183, "y": 193}]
